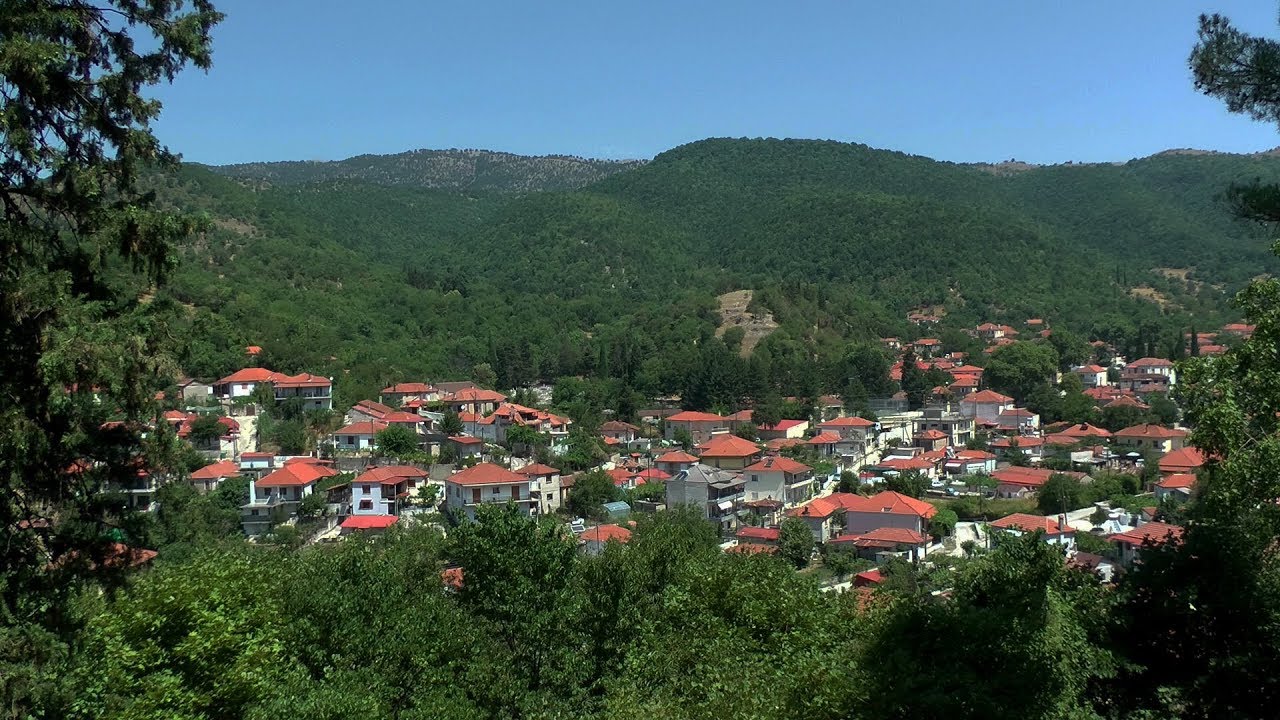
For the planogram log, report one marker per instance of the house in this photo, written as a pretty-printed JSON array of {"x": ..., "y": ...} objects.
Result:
[
  {"x": 257, "y": 462},
  {"x": 728, "y": 452},
  {"x": 857, "y": 436},
  {"x": 700, "y": 426},
  {"x": 886, "y": 509},
  {"x": 1155, "y": 366},
  {"x": 868, "y": 578},
  {"x": 717, "y": 493},
  {"x": 358, "y": 435},
  {"x": 896, "y": 465},
  {"x": 192, "y": 391},
  {"x": 544, "y": 486},
  {"x": 1091, "y": 376},
  {"x": 276, "y": 496},
  {"x": 474, "y": 400},
  {"x": 487, "y": 483},
  {"x": 875, "y": 544},
  {"x": 315, "y": 391},
  {"x": 1151, "y": 534},
  {"x": 1181, "y": 462},
  {"x": 227, "y": 445},
  {"x": 368, "y": 410},
  {"x": 1240, "y": 330},
  {"x": 465, "y": 446},
  {"x": 1022, "y": 481},
  {"x": 958, "y": 428},
  {"x": 931, "y": 440},
  {"x": 208, "y": 478},
  {"x": 593, "y": 541},
  {"x": 766, "y": 536},
  {"x": 927, "y": 347},
  {"x": 1177, "y": 487},
  {"x": 794, "y": 429},
  {"x": 400, "y": 393},
  {"x": 1018, "y": 421},
  {"x": 1030, "y": 446},
  {"x": 1156, "y": 438},
  {"x": 675, "y": 461},
  {"x": 819, "y": 514},
  {"x": 969, "y": 462},
  {"x": 621, "y": 431},
  {"x": 990, "y": 332},
  {"x": 369, "y": 524},
  {"x": 384, "y": 490},
  {"x": 825, "y": 443},
  {"x": 779, "y": 478},
  {"x": 1056, "y": 530},
  {"x": 985, "y": 406},
  {"x": 1085, "y": 432}
]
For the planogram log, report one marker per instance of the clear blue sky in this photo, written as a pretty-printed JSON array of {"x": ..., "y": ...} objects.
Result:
[{"x": 965, "y": 81}]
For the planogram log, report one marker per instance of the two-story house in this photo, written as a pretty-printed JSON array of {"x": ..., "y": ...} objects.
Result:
[
  {"x": 779, "y": 478},
  {"x": 384, "y": 490},
  {"x": 1131, "y": 542},
  {"x": 276, "y": 495},
  {"x": 675, "y": 461},
  {"x": 728, "y": 452},
  {"x": 358, "y": 435},
  {"x": 544, "y": 486},
  {"x": 1092, "y": 376},
  {"x": 699, "y": 425},
  {"x": 400, "y": 393},
  {"x": 718, "y": 494},
  {"x": 486, "y": 483},
  {"x": 1156, "y": 438},
  {"x": 315, "y": 391},
  {"x": 985, "y": 406},
  {"x": 476, "y": 401}
]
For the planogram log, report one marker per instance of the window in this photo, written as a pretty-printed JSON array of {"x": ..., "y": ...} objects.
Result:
[
  {"x": 366, "y": 504},
  {"x": 497, "y": 490},
  {"x": 475, "y": 495},
  {"x": 515, "y": 492},
  {"x": 755, "y": 478},
  {"x": 368, "y": 490}
]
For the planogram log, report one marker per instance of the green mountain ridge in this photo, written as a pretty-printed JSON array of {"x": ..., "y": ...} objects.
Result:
[
  {"x": 471, "y": 170},
  {"x": 839, "y": 240}
]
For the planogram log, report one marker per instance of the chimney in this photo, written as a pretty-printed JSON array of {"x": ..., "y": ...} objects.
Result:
[
  {"x": 253, "y": 492},
  {"x": 1062, "y": 523}
]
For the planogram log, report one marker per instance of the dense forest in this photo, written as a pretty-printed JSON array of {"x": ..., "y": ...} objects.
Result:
[{"x": 373, "y": 279}]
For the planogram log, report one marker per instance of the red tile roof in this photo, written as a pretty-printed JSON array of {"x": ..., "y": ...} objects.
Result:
[
  {"x": 408, "y": 388},
  {"x": 1151, "y": 362},
  {"x": 931, "y": 435},
  {"x": 248, "y": 375},
  {"x": 987, "y": 397},
  {"x": 473, "y": 395},
  {"x": 693, "y": 416},
  {"x": 1180, "y": 461},
  {"x": 365, "y": 427},
  {"x": 605, "y": 533},
  {"x": 390, "y": 474},
  {"x": 304, "y": 380},
  {"x": 486, "y": 474},
  {"x": 1127, "y": 401},
  {"x": 537, "y": 469},
  {"x": 825, "y": 438},
  {"x": 782, "y": 426},
  {"x": 677, "y": 456},
  {"x": 1085, "y": 430},
  {"x": 1022, "y": 441},
  {"x": 778, "y": 463},
  {"x": 904, "y": 464},
  {"x": 728, "y": 446},
  {"x": 220, "y": 469},
  {"x": 757, "y": 533},
  {"x": 884, "y": 537},
  {"x": 1178, "y": 482},
  {"x": 851, "y": 421},
  {"x": 1032, "y": 523},
  {"x": 1151, "y": 432},
  {"x": 1026, "y": 477},
  {"x": 1156, "y": 533},
  {"x": 369, "y": 522},
  {"x": 296, "y": 474}
]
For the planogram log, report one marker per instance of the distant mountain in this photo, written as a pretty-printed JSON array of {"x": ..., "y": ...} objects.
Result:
[
  {"x": 838, "y": 241},
  {"x": 465, "y": 170}
]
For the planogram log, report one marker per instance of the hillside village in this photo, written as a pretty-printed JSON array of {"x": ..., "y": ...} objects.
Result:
[{"x": 894, "y": 480}]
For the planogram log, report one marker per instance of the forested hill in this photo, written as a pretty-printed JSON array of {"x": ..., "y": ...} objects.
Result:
[
  {"x": 469, "y": 170},
  {"x": 377, "y": 282}
]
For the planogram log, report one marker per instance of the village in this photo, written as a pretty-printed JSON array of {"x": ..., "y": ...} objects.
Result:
[{"x": 869, "y": 490}]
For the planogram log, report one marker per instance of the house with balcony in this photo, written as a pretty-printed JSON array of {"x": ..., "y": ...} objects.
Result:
[
  {"x": 474, "y": 400},
  {"x": 1130, "y": 543},
  {"x": 779, "y": 478},
  {"x": 985, "y": 406},
  {"x": 490, "y": 484},
  {"x": 699, "y": 425},
  {"x": 675, "y": 461},
  {"x": 717, "y": 493},
  {"x": 544, "y": 487},
  {"x": 969, "y": 462},
  {"x": 958, "y": 428},
  {"x": 1092, "y": 376},
  {"x": 400, "y": 393},
  {"x": 276, "y": 496},
  {"x": 316, "y": 392},
  {"x": 384, "y": 490}
]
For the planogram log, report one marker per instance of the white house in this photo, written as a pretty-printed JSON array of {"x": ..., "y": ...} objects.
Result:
[
  {"x": 487, "y": 483},
  {"x": 985, "y": 406},
  {"x": 544, "y": 486},
  {"x": 384, "y": 490},
  {"x": 358, "y": 435},
  {"x": 779, "y": 478},
  {"x": 208, "y": 478},
  {"x": 1092, "y": 376}
]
